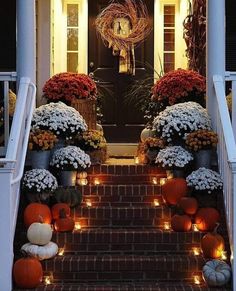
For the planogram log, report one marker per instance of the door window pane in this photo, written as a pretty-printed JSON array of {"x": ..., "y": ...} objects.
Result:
[
  {"x": 72, "y": 15},
  {"x": 72, "y": 62},
  {"x": 72, "y": 39}
]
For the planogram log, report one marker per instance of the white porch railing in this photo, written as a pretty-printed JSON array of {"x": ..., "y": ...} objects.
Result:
[
  {"x": 227, "y": 161},
  {"x": 11, "y": 171},
  {"x": 5, "y": 79}
]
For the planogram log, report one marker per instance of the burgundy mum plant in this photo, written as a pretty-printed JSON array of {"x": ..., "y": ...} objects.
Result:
[
  {"x": 67, "y": 87},
  {"x": 179, "y": 86}
]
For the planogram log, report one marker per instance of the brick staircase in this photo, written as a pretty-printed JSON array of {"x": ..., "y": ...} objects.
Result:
[{"x": 122, "y": 244}]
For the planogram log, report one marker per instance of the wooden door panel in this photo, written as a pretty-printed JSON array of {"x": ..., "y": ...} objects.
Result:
[{"x": 122, "y": 122}]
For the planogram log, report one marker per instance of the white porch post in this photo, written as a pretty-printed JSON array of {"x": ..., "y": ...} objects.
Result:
[
  {"x": 6, "y": 242},
  {"x": 215, "y": 51},
  {"x": 26, "y": 40}
]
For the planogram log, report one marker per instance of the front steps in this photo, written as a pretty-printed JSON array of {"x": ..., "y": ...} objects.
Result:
[{"x": 122, "y": 244}]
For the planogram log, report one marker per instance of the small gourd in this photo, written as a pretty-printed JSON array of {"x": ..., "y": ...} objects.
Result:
[
  {"x": 39, "y": 233},
  {"x": 216, "y": 273}
]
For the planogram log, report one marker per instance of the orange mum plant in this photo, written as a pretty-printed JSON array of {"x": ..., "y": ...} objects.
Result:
[
  {"x": 201, "y": 139},
  {"x": 41, "y": 140}
]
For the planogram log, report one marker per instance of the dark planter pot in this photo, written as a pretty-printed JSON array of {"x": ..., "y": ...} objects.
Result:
[
  {"x": 40, "y": 159},
  {"x": 205, "y": 199},
  {"x": 203, "y": 159},
  {"x": 68, "y": 178}
]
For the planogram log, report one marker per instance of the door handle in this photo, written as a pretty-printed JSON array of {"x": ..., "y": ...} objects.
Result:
[{"x": 91, "y": 65}]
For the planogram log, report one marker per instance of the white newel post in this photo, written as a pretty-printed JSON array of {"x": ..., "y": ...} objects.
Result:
[
  {"x": 6, "y": 232},
  {"x": 26, "y": 40},
  {"x": 215, "y": 51}
]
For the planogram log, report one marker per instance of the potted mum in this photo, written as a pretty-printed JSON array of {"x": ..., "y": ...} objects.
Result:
[
  {"x": 174, "y": 158},
  {"x": 204, "y": 183},
  {"x": 76, "y": 90},
  {"x": 201, "y": 142},
  {"x": 38, "y": 185},
  {"x": 176, "y": 121},
  {"x": 69, "y": 161},
  {"x": 152, "y": 146},
  {"x": 40, "y": 144},
  {"x": 64, "y": 121},
  {"x": 179, "y": 86},
  {"x": 94, "y": 144}
]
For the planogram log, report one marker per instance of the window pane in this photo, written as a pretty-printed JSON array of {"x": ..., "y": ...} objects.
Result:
[
  {"x": 72, "y": 39},
  {"x": 169, "y": 20},
  {"x": 169, "y": 46},
  {"x": 169, "y": 58},
  {"x": 72, "y": 62},
  {"x": 72, "y": 15},
  {"x": 169, "y": 35},
  {"x": 169, "y": 9}
]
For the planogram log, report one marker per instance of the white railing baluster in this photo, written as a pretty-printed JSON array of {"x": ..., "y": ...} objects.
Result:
[{"x": 227, "y": 156}]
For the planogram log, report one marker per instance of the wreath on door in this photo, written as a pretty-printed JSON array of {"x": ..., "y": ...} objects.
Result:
[{"x": 122, "y": 27}]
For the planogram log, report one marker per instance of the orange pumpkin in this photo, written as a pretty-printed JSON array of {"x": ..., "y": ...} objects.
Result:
[
  {"x": 181, "y": 223},
  {"x": 27, "y": 272},
  {"x": 64, "y": 223},
  {"x": 206, "y": 218},
  {"x": 212, "y": 244},
  {"x": 189, "y": 205},
  {"x": 34, "y": 210},
  {"x": 174, "y": 189},
  {"x": 56, "y": 208}
]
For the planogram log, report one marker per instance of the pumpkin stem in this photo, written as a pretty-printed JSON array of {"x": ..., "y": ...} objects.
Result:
[
  {"x": 62, "y": 213},
  {"x": 40, "y": 219},
  {"x": 216, "y": 227}
]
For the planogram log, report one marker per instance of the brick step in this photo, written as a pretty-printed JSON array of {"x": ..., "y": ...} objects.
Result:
[
  {"x": 121, "y": 190},
  {"x": 117, "y": 264},
  {"x": 125, "y": 170},
  {"x": 124, "y": 179},
  {"x": 115, "y": 213},
  {"x": 99, "y": 200},
  {"x": 120, "y": 286}
]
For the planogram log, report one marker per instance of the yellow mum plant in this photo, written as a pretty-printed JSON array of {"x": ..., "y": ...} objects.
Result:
[
  {"x": 41, "y": 140},
  {"x": 201, "y": 139}
]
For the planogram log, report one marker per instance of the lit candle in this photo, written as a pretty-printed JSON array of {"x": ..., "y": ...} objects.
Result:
[
  {"x": 223, "y": 255},
  {"x": 170, "y": 176},
  {"x": 196, "y": 251},
  {"x": 48, "y": 280},
  {"x": 136, "y": 160},
  {"x": 154, "y": 180},
  {"x": 61, "y": 251},
  {"x": 197, "y": 280},
  {"x": 195, "y": 228},
  {"x": 166, "y": 225},
  {"x": 77, "y": 226},
  {"x": 82, "y": 181},
  {"x": 156, "y": 202},
  {"x": 96, "y": 181},
  {"x": 88, "y": 203},
  {"x": 163, "y": 181}
]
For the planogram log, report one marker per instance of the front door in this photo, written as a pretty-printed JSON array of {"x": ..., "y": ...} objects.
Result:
[{"x": 122, "y": 122}]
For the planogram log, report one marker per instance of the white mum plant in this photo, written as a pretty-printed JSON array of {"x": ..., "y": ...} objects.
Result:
[
  {"x": 205, "y": 179},
  {"x": 178, "y": 120},
  {"x": 39, "y": 181},
  {"x": 70, "y": 158},
  {"x": 174, "y": 157},
  {"x": 59, "y": 118}
]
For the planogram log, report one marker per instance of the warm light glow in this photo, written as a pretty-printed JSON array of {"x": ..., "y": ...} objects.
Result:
[
  {"x": 88, "y": 203},
  {"x": 163, "y": 181},
  {"x": 96, "y": 181},
  {"x": 82, "y": 181},
  {"x": 77, "y": 225},
  {"x": 223, "y": 255},
  {"x": 136, "y": 160},
  {"x": 195, "y": 228},
  {"x": 170, "y": 176},
  {"x": 197, "y": 280},
  {"x": 61, "y": 252},
  {"x": 196, "y": 251},
  {"x": 48, "y": 280},
  {"x": 166, "y": 225},
  {"x": 154, "y": 180},
  {"x": 156, "y": 202},
  {"x": 231, "y": 257}
]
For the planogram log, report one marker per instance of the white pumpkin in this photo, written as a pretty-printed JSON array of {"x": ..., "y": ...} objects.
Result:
[
  {"x": 41, "y": 252},
  {"x": 39, "y": 233},
  {"x": 216, "y": 273},
  {"x": 83, "y": 175},
  {"x": 147, "y": 132},
  {"x": 99, "y": 127}
]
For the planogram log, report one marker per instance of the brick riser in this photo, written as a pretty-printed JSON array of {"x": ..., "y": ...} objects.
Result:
[{"x": 122, "y": 245}]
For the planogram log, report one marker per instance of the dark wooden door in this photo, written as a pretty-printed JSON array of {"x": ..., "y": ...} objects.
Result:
[{"x": 122, "y": 122}]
